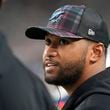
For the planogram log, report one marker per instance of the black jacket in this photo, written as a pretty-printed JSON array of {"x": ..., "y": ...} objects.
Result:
[
  {"x": 94, "y": 94},
  {"x": 20, "y": 89}
]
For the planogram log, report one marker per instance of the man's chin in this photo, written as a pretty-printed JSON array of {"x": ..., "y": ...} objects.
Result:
[{"x": 51, "y": 81}]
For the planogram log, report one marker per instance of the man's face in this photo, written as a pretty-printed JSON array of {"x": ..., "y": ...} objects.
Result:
[{"x": 63, "y": 59}]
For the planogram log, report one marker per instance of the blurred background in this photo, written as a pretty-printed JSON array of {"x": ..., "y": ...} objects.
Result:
[{"x": 17, "y": 15}]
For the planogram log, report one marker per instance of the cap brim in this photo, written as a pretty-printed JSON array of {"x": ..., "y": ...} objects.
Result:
[
  {"x": 35, "y": 33},
  {"x": 41, "y": 32}
]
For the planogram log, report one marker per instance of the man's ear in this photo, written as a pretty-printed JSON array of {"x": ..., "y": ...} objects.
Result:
[{"x": 97, "y": 52}]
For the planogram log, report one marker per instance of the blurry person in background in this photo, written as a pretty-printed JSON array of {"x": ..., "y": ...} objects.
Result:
[
  {"x": 76, "y": 41},
  {"x": 20, "y": 89}
]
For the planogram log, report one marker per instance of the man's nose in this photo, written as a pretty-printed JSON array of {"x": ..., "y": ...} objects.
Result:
[{"x": 50, "y": 51}]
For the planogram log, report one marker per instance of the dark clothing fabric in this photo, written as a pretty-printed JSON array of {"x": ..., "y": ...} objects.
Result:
[
  {"x": 94, "y": 94},
  {"x": 20, "y": 89}
]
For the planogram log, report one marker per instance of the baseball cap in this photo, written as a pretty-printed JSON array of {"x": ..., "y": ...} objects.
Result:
[{"x": 73, "y": 21}]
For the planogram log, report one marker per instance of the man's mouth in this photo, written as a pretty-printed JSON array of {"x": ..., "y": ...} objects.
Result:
[{"x": 50, "y": 65}]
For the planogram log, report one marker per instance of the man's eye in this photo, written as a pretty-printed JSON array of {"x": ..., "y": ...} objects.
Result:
[
  {"x": 64, "y": 41},
  {"x": 47, "y": 41}
]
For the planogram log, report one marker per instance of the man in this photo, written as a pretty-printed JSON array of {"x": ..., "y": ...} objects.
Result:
[{"x": 76, "y": 41}]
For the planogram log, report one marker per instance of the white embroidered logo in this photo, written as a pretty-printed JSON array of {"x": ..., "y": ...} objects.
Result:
[{"x": 91, "y": 32}]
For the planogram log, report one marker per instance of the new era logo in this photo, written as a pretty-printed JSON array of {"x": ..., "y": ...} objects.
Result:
[{"x": 91, "y": 32}]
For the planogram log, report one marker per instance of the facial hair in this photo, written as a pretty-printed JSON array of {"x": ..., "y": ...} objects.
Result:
[{"x": 69, "y": 73}]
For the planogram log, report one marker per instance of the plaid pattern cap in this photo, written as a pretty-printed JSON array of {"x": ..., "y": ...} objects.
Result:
[{"x": 74, "y": 22}]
